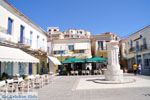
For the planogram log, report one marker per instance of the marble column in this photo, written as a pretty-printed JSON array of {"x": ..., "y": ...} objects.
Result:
[{"x": 113, "y": 72}]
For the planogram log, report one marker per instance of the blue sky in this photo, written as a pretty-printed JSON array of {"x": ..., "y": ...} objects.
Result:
[{"x": 122, "y": 17}]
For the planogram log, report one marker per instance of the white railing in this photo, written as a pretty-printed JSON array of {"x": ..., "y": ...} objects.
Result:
[
  {"x": 3, "y": 30},
  {"x": 76, "y": 54},
  {"x": 27, "y": 41},
  {"x": 41, "y": 46}
]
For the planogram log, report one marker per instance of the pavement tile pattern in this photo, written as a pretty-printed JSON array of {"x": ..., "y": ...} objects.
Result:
[{"x": 67, "y": 88}]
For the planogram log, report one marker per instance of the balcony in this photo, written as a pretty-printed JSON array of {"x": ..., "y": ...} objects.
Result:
[
  {"x": 132, "y": 49},
  {"x": 102, "y": 49},
  {"x": 143, "y": 47},
  {"x": 3, "y": 30},
  {"x": 3, "y": 34},
  {"x": 27, "y": 41},
  {"x": 139, "y": 48},
  {"x": 41, "y": 46}
]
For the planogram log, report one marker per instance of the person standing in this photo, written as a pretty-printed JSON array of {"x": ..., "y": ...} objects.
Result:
[
  {"x": 135, "y": 68},
  {"x": 139, "y": 69}
]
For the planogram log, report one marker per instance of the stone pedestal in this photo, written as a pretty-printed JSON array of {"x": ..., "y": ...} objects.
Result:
[{"x": 113, "y": 72}]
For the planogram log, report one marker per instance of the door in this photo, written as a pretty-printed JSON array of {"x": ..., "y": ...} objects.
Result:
[
  {"x": 21, "y": 33},
  {"x": 30, "y": 68}
]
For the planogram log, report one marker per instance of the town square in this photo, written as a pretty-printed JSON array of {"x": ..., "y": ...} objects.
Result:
[{"x": 74, "y": 50}]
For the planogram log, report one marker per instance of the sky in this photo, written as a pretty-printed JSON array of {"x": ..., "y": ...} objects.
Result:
[{"x": 122, "y": 17}]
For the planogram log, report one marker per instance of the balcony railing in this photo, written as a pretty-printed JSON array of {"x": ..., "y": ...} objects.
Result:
[
  {"x": 132, "y": 49},
  {"x": 143, "y": 47},
  {"x": 139, "y": 48},
  {"x": 41, "y": 46},
  {"x": 3, "y": 30},
  {"x": 27, "y": 41},
  {"x": 75, "y": 54},
  {"x": 102, "y": 48}
]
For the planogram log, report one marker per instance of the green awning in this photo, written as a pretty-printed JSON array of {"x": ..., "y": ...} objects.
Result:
[
  {"x": 73, "y": 60},
  {"x": 97, "y": 59}
]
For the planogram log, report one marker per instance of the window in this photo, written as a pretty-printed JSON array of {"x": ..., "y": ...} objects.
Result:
[
  {"x": 8, "y": 68},
  {"x": 81, "y": 51},
  {"x": 144, "y": 41},
  {"x": 49, "y": 30},
  {"x": 43, "y": 41},
  {"x": 147, "y": 62},
  {"x": 48, "y": 49},
  {"x": 21, "y": 68},
  {"x": 131, "y": 43},
  {"x": 37, "y": 42},
  {"x": 59, "y": 52},
  {"x": 100, "y": 45},
  {"x": 137, "y": 45},
  {"x": 31, "y": 37},
  {"x": 10, "y": 23},
  {"x": 70, "y": 48},
  {"x": 21, "y": 33},
  {"x": 55, "y": 30},
  {"x": 116, "y": 38},
  {"x": 146, "y": 58},
  {"x": 43, "y": 44}
]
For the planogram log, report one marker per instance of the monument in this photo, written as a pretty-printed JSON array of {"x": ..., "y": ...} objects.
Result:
[{"x": 113, "y": 72}]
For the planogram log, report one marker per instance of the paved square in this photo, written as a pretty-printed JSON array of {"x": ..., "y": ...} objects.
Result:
[
  {"x": 67, "y": 88},
  {"x": 87, "y": 83}
]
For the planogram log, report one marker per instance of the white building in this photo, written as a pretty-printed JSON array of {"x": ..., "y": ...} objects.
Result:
[
  {"x": 80, "y": 47},
  {"x": 54, "y": 33},
  {"x": 137, "y": 49},
  {"x": 67, "y": 48},
  {"x": 76, "y": 33},
  {"x": 16, "y": 29}
]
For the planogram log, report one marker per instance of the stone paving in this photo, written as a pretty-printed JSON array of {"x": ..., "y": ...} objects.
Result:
[
  {"x": 66, "y": 88},
  {"x": 87, "y": 83}
]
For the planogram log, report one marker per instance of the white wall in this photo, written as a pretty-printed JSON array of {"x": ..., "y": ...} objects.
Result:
[
  {"x": 145, "y": 34},
  {"x": 5, "y": 12}
]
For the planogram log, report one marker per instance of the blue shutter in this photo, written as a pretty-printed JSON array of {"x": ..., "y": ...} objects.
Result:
[
  {"x": 10, "y": 21},
  {"x": 21, "y": 33}
]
